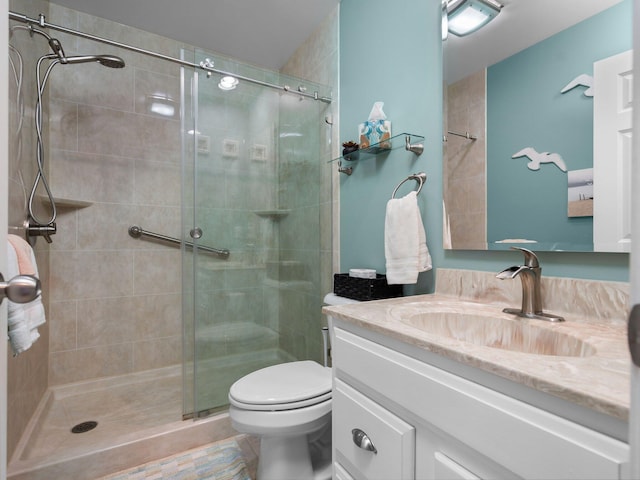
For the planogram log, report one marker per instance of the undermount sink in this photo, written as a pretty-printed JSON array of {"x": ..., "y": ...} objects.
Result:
[{"x": 513, "y": 334}]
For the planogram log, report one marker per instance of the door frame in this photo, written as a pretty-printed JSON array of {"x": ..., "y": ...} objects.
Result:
[{"x": 634, "y": 258}]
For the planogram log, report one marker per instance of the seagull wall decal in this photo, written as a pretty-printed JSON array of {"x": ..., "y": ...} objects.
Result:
[
  {"x": 536, "y": 158},
  {"x": 583, "y": 80}
]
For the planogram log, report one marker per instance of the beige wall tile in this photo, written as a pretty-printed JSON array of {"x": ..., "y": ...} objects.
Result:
[
  {"x": 79, "y": 274},
  {"x": 92, "y": 178},
  {"x": 157, "y": 271},
  {"x": 63, "y": 326},
  {"x": 157, "y": 353},
  {"x": 76, "y": 365}
]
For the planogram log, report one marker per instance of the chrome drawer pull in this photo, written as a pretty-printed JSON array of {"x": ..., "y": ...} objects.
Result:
[{"x": 363, "y": 441}]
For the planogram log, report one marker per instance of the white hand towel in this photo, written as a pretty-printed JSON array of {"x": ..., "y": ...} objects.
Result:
[
  {"x": 24, "y": 318},
  {"x": 405, "y": 244}
]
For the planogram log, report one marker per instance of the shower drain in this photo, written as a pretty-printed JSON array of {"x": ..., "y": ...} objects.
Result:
[{"x": 84, "y": 427}]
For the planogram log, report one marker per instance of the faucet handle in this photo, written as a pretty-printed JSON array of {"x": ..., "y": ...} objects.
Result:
[{"x": 530, "y": 258}]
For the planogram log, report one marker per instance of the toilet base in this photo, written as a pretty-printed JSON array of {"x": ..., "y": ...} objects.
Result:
[
  {"x": 302, "y": 457},
  {"x": 284, "y": 458}
]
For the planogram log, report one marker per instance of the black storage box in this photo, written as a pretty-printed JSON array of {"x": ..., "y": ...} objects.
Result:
[{"x": 364, "y": 288}]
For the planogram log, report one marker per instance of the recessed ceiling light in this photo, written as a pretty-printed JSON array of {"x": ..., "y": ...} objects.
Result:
[{"x": 228, "y": 83}]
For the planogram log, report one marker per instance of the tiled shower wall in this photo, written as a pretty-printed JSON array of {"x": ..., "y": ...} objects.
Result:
[
  {"x": 115, "y": 301},
  {"x": 464, "y": 167},
  {"x": 317, "y": 59}
]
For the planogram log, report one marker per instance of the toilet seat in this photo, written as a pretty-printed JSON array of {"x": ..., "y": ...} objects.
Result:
[
  {"x": 280, "y": 406},
  {"x": 282, "y": 387}
]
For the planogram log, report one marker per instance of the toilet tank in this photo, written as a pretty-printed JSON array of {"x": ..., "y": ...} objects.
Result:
[{"x": 331, "y": 299}]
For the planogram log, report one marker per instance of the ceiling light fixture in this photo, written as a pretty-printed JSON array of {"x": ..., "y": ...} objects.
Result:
[
  {"x": 467, "y": 16},
  {"x": 228, "y": 83}
]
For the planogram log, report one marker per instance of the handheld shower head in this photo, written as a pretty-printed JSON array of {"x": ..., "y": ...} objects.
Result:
[
  {"x": 56, "y": 47},
  {"x": 110, "y": 61}
]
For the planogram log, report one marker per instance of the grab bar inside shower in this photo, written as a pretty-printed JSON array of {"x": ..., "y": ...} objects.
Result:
[{"x": 137, "y": 232}]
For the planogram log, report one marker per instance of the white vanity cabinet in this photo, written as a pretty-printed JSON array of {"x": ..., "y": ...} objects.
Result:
[{"x": 427, "y": 423}]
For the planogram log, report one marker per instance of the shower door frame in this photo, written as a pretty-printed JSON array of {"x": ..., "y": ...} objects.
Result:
[{"x": 199, "y": 359}]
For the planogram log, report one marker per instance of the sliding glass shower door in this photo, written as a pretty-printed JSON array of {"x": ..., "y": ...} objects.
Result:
[{"x": 254, "y": 160}]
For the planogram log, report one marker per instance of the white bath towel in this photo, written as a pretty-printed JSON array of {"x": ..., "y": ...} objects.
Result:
[
  {"x": 23, "y": 318},
  {"x": 405, "y": 244}
]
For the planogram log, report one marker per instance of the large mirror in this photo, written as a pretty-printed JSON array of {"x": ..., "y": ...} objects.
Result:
[{"x": 535, "y": 155}]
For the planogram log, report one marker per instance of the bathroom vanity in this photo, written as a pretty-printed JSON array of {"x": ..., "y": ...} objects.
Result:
[{"x": 444, "y": 386}]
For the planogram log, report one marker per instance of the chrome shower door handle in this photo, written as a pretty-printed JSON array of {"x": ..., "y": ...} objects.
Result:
[
  {"x": 363, "y": 441},
  {"x": 20, "y": 289}
]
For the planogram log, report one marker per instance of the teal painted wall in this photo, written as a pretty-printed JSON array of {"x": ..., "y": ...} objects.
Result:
[
  {"x": 526, "y": 109},
  {"x": 391, "y": 52}
]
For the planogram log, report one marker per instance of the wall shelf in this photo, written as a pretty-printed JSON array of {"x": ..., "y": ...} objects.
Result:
[
  {"x": 275, "y": 214},
  {"x": 410, "y": 141},
  {"x": 64, "y": 202}
]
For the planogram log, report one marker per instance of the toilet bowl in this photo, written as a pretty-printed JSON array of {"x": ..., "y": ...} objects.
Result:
[{"x": 289, "y": 407}]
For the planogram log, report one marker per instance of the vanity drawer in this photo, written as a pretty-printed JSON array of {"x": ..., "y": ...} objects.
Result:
[{"x": 392, "y": 438}]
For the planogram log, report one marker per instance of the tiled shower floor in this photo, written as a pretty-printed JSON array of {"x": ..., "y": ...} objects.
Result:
[
  {"x": 122, "y": 406},
  {"x": 139, "y": 418}
]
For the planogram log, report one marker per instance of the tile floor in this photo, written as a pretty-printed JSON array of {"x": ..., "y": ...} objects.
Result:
[{"x": 232, "y": 459}]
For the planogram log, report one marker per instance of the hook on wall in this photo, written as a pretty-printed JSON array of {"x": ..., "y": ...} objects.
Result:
[
  {"x": 416, "y": 148},
  {"x": 347, "y": 170}
]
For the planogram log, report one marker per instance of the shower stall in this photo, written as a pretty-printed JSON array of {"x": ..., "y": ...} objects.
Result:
[{"x": 193, "y": 236}]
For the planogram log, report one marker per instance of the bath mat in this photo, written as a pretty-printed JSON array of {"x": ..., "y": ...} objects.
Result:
[{"x": 216, "y": 461}]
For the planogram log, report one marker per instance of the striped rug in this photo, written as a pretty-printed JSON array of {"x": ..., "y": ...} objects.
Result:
[{"x": 216, "y": 461}]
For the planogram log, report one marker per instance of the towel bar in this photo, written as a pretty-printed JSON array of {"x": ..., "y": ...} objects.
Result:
[
  {"x": 137, "y": 232},
  {"x": 418, "y": 177}
]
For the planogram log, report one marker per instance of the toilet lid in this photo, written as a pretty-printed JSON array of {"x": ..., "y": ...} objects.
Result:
[{"x": 282, "y": 384}]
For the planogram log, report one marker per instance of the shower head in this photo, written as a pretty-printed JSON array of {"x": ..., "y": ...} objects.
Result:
[
  {"x": 56, "y": 47},
  {"x": 110, "y": 61}
]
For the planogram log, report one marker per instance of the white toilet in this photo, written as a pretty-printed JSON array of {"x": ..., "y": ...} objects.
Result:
[{"x": 289, "y": 407}]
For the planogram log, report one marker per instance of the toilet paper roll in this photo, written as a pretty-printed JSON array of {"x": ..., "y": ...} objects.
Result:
[{"x": 362, "y": 273}]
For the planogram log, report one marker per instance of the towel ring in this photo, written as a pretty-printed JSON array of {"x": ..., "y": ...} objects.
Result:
[{"x": 418, "y": 177}]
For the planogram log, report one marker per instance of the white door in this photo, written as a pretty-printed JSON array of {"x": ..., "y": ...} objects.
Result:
[
  {"x": 612, "y": 140},
  {"x": 634, "y": 267}
]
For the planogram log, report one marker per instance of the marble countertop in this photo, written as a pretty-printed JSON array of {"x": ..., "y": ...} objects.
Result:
[{"x": 599, "y": 380}]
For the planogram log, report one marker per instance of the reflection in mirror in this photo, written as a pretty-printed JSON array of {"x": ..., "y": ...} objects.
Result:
[{"x": 534, "y": 172}]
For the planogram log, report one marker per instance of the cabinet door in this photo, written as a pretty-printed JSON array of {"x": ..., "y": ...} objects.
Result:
[{"x": 369, "y": 441}]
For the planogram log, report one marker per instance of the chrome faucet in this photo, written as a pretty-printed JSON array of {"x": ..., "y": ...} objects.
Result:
[{"x": 530, "y": 273}]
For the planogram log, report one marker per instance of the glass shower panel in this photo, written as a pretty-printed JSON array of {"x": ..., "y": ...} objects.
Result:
[
  {"x": 257, "y": 157},
  {"x": 189, "y": 256}
]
